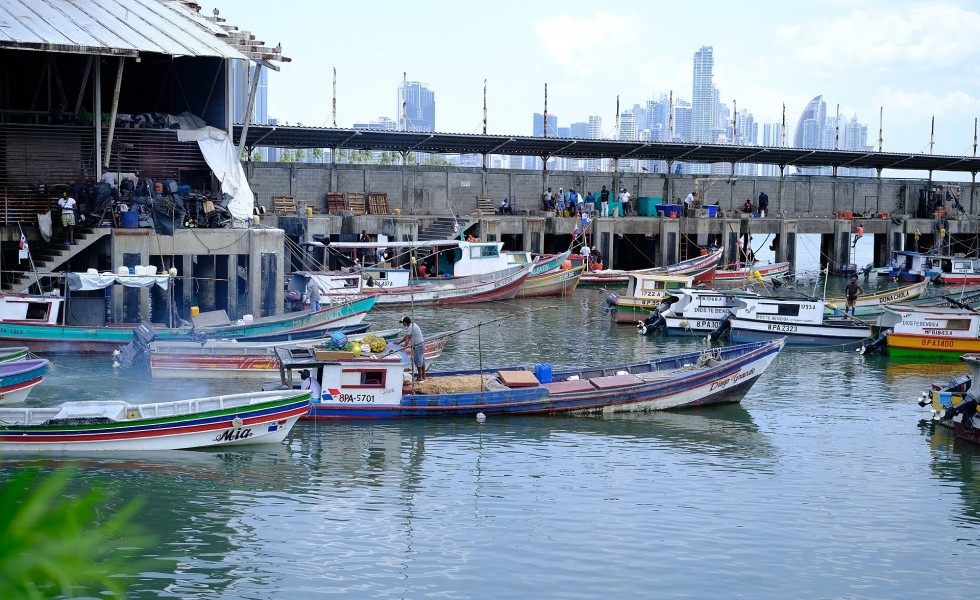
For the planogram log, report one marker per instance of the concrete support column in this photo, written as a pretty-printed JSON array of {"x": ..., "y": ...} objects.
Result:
[
  {"x": 533, "y": 234},
  {"x": 786, "y": 243},
  {"x": 779, "y": 193},
  {"x": 206, "y": 283},
  {"x": 231, "y": 300},
  {"x": 406, "y": 230},
  {"x": 186, "y": 275},
  {"x": 670, "y": 242},
  {"x": 265, "y": 247},
  {"x": 130, "y": 248},
  {"x": 603, "y": 231},
  {"x": 840, "y": 247},
  {"x": 490, "y": 230},
  {"x": 893, "y": 241}
]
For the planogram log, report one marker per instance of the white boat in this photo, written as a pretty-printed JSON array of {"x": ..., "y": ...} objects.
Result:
[
  {"x": 800, "y": 321},
  {"x": 644, "y": 292},
  {"x": 695, "y": 312},
  {"x": 234, "y": 420}
]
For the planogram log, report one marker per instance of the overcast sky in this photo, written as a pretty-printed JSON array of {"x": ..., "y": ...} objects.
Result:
[{"x": 915, "y": 59}]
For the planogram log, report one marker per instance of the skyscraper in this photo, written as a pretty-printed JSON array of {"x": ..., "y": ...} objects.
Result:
[
  {"x": 416, "y": 107},
  {"x": 241, "y": 82},
  {"x": 810, "y": 128},
  {"x": 704, "y": 97},
  {"x": 538, "y": 125}
]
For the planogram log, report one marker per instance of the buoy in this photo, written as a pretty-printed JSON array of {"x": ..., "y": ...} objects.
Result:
[
  {"x": 480, "y": 417},
  {"x": 566, "y": 265}
]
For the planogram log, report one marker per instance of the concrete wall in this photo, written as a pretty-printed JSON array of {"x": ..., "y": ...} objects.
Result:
[{"x": 429, "y": 190}]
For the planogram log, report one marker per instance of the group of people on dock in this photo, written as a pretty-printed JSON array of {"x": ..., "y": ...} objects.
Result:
[{"x": 573, "y": 204}]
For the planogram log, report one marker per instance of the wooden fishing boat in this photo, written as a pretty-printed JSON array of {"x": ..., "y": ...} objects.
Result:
[
  {"x": 18, "y": 378},
  {"x": 36, "y": 321},
  {"x": 561, "y": 282},
  {"x": 701, "y": 267},
  {"x": 693, "y": 312},
  {"x": 230, "y": 359},
  {"x": 13, "y": 354},
  {"x": 907, "y": 265},
  {"x": 643, "y": 294},
  {"x": 377, "y": 389},
  {"x": 962, "y": 271},
  {"x": 233, "y": 420},
  {"x": 753, "y": 272},
  {"x": 799, "y": 321},
  {"x": 869, "y": 306},
  {"x": 937, "y": 333}
]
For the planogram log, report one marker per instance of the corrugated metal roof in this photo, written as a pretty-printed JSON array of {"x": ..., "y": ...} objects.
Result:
[{"x": 118, "y": 27}]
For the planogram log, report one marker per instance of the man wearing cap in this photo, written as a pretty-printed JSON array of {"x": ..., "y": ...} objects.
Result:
[
  {"x": 412, "y": 339},
  {"x": 310, "y": 383},
  {"x": 313, "y": 292}
]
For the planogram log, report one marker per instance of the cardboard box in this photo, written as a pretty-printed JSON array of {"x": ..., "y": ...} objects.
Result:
[{"x": 334, "y": 355}]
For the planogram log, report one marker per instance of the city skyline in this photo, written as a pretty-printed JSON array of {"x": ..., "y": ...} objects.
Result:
[{"x": 864, "y": 57}]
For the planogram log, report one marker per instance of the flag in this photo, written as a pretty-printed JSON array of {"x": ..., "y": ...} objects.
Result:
[
  {"x": 585, "y": 219},
  {"x": 575, "y": 233},
  {"x": 24, "y": 250}
]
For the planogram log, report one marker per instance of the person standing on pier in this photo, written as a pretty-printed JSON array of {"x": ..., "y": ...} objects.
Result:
[
  {"x": 852, "y": 291},
  {"x": 413, "y": 343},
  {"x": 624, "y": 198},
  {"x": 687, "y": 203},
  {"x": 590, "y": 203},
  {"x": 604, "y": 202},
  {"x": 763, "y": 204},
  {"x": 67, "y": 204}
]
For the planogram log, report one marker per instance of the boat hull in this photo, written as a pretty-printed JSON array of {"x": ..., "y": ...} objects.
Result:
[
  {"x": 260, "y": 423},
  {"x": 906, "y": 345},
  {"x": 746, "y": 273},
  {"x": 750, "y": 330},
  {"x": 556, "y": 283},
  {"x": 43, "y": 338},
  {"x": 18, "y": 378},
  {"x": 597, "y": 392}
]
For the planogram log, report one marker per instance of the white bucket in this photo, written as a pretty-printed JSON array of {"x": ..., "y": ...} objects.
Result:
[
  {"x": 123, "y": 271},
  {"x": 91, "y": 272},
  {"x": 140, "y": 270},
  {"x": 249, "y": 319},
  {"x": 151, "y": 269}
]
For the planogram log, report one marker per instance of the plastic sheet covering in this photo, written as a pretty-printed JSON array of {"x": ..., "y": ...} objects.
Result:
[
  {"x": 80, "y": 282},
  {"x": 222, "y": 157},
  {"x": 44, "y": 225}
]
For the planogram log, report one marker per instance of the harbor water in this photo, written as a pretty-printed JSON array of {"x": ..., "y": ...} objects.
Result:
[{"x": 823, "y": 483}]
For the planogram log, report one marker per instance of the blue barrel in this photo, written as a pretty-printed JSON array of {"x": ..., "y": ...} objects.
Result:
[
  {"x": 130, "y": 219},
  {"x": 543, "y": 373}
]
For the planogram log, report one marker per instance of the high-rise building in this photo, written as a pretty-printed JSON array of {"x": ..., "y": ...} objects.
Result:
[
  {"x": 381, "y": 124},
  {"x": 704, "y": 97},
  {"x": 241, "y": 84},
  {"x": 416, "y": 107},
  {"x": 772, "y": 137},
  {"x": 810, "y": 128},
  {"x": 538, "y": 126},
  {"x": 683, "y": 122}
]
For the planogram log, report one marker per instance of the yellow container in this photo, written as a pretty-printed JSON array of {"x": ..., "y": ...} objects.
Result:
[
  {"x": 195, "y": 310},
  {"x": 309, "y": 211}
]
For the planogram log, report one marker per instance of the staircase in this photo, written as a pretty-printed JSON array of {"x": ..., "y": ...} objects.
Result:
[
  {"x": 49, "y": 257},
  {"x": 443, "y": 229}
]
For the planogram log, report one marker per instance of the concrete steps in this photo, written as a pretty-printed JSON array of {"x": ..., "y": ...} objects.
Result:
[{"x": 49, "y": 257}]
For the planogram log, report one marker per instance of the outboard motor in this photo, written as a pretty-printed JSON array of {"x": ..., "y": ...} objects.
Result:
[
  {"x": 610, "y": 306},
  {"x": 137, "y": 352},
  {"x": 655, "y": 322},
  {"x": 723, "y": 326},
  {"x": 879, "y": 345},
  {"x": 950, "y": 393}
]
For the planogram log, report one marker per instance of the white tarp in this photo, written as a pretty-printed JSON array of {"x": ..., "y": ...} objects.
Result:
[
  {"x": 222, "y": 156},
  {"x": 80, "y": 282}
]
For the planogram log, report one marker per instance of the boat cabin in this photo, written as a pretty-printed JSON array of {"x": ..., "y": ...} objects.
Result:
[
  {"x": 443, "y": 258},
  {"x": 703, "y": 304},
  {"x": 938, "y": 322},
  {"x": 377, "y": 380},
  {"x": 789, "y": 310},
  {"x": 655, "y": 287}
]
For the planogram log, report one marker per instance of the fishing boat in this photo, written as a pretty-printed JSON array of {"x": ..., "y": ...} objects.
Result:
[
  {"x": 231, "y": 359},
  {"x": 869, "y": 306},
  {"x": 928, "y": 332},
  {"x": 692, "y": 311},
  {"x": 907, "y": 265},
  {"x": 941, "y": 397},
  {"x": 18, "y": 378},
  {"x": 957, "y": 404},
  {"x": 378, "y": 390},
  {"x": 38, "y": 321},
  {"x": 752, "y": 272},
  {"x": 643, "y": 294},
  {"x": 701, "y": 267},
  {"x": 561, "y": 282},
  {"x": 799, "y": 321},
  {"x": 962, "y": 271},
  {"x": 13, "y": 354},
  {"x": 232, "y": 420}
]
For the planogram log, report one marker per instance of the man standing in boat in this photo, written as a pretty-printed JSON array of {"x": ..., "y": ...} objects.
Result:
[
  {"x": 413, "y": 342},
  {"x": 310, "y": 383},
  {"x": 313, "y": 292},
  {"x": 852, "y": 291}
]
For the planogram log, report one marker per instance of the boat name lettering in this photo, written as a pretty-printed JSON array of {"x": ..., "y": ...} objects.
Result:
[
  {"x": 743, "y": 374},
  {"x": 655, "y": 293},
  {"x": 924, "y": 324},
  {"x": 12, "y": 331},
  {"x": 720, "y": 384},
  {"x": 230, "y": 435},
  {"x": 706, "y": 324},
  {"x": 782, "y": 327},
  {"x": 356, "y": 397},
  {"x": 944, "y": 332},
  {"x": 937, "y": 343},
  {"x": 893, "y": 297}
]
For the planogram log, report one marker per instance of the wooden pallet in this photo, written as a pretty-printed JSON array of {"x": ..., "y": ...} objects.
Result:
[
  {"x": 378, "y": 204},
  {"x": 336, "y": 202},
  {"x": 356, "y": 203},
  {"x": 283, "y": 205},
  {"x": 485, "y": 203}
]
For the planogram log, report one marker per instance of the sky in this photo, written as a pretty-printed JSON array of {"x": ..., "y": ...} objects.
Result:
[{"x": 895, "y": 64}]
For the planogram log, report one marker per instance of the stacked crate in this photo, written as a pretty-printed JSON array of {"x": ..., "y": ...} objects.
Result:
[
  {"x": 378, "y": 204},
  {"x": 356, "y": 203},
  {"x": 336, "y": 202}
]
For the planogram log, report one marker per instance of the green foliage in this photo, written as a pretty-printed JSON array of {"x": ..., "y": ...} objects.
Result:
[
  {"x": 55, "y": 543},
  {"x": 286, "y": 155},
  {"x": 437, "y": 161},
  {"x": 388, "y": 158},
  {"x": 257, "y": 156},
  {"x": 317, "y": 154},
  {"x": 410, "y": 159}
]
